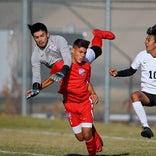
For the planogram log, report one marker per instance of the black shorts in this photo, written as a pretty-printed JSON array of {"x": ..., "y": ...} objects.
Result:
[{"x": 152, "y": 98}]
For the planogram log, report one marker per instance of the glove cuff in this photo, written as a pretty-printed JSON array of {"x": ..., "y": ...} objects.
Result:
[
  {"x": 65, "y": 69},
  {"x": 36, "y": 86}
]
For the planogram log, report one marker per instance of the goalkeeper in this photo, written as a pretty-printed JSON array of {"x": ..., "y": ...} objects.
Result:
[{"x": 53, "y": 48}]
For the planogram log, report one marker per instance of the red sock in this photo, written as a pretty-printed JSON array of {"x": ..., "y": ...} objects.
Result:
[
  {"x": 97, "y": 41},
  {"x": 91, "y": 147}
]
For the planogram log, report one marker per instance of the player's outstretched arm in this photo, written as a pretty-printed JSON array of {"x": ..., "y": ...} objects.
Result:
[
  {"x": 122, "y": 73},
  {"x": 46, "y": 83},
  {"x": 30, "y": 93}
]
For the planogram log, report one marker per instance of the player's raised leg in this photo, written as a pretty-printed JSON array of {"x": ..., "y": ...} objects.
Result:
[{"x": 96, "y": 48}]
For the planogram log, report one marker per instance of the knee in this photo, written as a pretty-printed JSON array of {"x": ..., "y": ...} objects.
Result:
[
  {"x": 135, "y": 96},
  {"x": 79, "y": 137},
  {"x": 87, "y": 136},
  {"x": 87, "y": 133}
]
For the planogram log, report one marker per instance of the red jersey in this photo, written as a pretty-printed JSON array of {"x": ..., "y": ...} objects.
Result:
[{"x": 74, "y": 86}]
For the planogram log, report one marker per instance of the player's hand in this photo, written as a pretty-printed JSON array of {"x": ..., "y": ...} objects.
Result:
[
  {"x": 57, "y": 77},
  {"x": 28, "y": 92},
  {"x": 33, "y": 93},
  {"x": 94, "y": 98},
  {"x": 113, "y": 72}
]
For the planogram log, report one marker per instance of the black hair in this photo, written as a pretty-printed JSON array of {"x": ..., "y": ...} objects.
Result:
[
  {"x": 81, "y": 43},
  {"x": 152, "y": 31},
  {"x": 37, "y": 27}
]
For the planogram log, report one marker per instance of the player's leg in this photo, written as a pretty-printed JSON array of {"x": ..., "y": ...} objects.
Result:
[
  {"x": 86, "y": 117},
  {"x": 88, "y": 138},
  {"x": 137, "y": 99},
  {"x": 96, "y": 49},
  {"x": 98, "y": 139},
  {"x": 97, "y": 40},
  {"x": 83, "y": 132}
]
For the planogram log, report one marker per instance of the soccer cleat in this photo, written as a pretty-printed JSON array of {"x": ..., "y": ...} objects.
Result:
[
  {"x": 103, "y": 34},
  {"x": 147, "y": 132}
]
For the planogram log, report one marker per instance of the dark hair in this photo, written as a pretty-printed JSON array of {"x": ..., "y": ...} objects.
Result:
[
  {"x": 152, "y": 31},
  {"x": 81, "y": 43},
  {"x": 37, "y": 27}
]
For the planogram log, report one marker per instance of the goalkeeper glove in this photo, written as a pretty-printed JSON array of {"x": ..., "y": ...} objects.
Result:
[
  {"x": 58, "y": 76},
  {"x": 35, "y": 91}
]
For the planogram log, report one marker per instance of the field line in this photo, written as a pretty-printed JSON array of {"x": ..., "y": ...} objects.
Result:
[
  {"x": 23, "y": 153},
  {"x": 130, "y": 139},
  {"x": 71, "y": 134}
]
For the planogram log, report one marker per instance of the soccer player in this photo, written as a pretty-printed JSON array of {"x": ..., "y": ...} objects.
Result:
[
  {"x": 147, "y": 95},
  {"x": 53, "y": 48},
  {"x": 49, "y": 49},
  {"x": 79, "y": 96}
]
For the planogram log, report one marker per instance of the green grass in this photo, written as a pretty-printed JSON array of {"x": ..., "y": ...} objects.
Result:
[{"x": 27, "y": 136}]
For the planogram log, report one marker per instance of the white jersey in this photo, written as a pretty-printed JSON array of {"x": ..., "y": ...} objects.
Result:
[{"x": 148, "y": 71}]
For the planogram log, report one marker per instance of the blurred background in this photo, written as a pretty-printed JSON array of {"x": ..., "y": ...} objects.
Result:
[{"x": 128, "y": 19}]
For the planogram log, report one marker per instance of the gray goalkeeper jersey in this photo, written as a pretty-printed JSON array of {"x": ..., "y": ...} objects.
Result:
[{"x": 56, "y": 50}]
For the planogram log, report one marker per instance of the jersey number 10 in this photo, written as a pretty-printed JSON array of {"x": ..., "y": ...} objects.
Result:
[{"x": 152, "y": 74}]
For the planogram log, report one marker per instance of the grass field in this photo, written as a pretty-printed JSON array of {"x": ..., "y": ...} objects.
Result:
[{"x": 27, "y": 136}]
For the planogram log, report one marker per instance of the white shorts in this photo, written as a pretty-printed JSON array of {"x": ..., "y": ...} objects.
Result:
[
  {"x": 90, "y": 55},
  {"x": 78, "y": 129}
]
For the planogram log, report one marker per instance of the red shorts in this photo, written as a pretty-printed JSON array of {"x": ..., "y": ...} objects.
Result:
[{"x": 79, "y": 115}]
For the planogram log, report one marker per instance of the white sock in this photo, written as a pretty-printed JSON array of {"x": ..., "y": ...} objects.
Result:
[{"x": 139, "y": 109}]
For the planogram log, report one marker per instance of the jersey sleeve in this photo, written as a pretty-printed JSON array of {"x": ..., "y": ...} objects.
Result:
[
  {"x": 137, "y": 60},
  {"x": 36, "y": 68},
  {"x": 126, "y": 72},
  {"x": 65, "y": 50}
]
